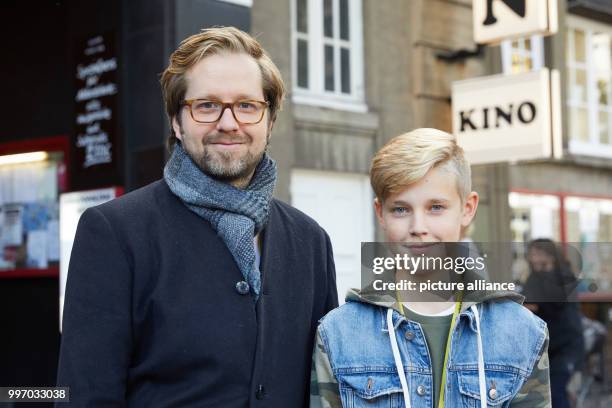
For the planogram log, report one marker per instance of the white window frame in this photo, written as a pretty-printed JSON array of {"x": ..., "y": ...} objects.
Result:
[
  {"x": 316, "y": 94},
  {"x": 536, "y": 53},
  {"x": 246, "y": 3},
  {"x": 593, "y": 147}
]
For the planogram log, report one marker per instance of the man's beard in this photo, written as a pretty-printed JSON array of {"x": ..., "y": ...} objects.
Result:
[{"x": 226, "y": 167}]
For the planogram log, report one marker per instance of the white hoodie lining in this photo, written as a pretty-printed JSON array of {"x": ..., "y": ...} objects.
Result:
[
  {"x": 400, "y": 367},
  {"x": 482, "y": 382},
  {"x": 397, "y": 357}
]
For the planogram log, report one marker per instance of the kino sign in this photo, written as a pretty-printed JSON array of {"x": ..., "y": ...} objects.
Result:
[
  {"x": 508, "y": 118},
  {"x": 497, "y": 20}
]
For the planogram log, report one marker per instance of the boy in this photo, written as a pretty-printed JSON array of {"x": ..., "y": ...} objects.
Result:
[{"x": 483, "y": 350}]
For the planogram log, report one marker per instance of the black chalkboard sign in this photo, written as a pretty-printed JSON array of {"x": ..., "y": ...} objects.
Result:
[{"x": 95, "y": 143}]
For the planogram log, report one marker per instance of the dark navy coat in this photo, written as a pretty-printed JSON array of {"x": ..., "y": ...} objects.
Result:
[{"x": 153, "y": 316}]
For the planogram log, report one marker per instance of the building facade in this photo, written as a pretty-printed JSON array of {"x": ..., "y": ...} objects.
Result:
[{"x": 358, "y": 72}]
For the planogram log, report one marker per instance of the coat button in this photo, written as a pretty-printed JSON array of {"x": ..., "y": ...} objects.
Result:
[
  {"x": 261, "y": 392},
  {"x": 492, "y": 393},
  {"x": 421, "y": 390},
  {"x": 409, "y": 335},
  {"x": 242, "y": 287}
]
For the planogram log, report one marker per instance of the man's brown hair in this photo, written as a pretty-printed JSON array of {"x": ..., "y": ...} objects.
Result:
[{"x": 214, "y": 41}]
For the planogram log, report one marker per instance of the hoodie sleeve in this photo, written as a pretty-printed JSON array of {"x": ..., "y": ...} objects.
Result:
[
  {"x": 535, "y": 392},
  {"x": 324, "y": 390}
]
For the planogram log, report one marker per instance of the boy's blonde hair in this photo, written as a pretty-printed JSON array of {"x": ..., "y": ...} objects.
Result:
[{"x": 406, "y": 159}]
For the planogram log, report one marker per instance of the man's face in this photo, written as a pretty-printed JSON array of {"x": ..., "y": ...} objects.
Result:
[
  {"x": 226, "y": 149},
  {"x": 427, "y": 211}
]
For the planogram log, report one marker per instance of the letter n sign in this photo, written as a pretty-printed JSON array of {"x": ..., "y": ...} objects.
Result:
[{"x": 498, "y": 20}]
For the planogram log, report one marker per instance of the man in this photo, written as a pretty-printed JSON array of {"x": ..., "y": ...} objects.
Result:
[{"x": 200, "y": 290}]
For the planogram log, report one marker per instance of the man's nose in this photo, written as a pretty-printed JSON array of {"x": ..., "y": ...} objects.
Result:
[{"x": 227, "y": 122}]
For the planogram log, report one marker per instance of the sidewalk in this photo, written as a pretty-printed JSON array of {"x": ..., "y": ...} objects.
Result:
[{"x": 598, "y": 398}]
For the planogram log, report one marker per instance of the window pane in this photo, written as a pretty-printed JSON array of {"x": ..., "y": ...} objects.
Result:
[
  {"x": 328, "y": 18},
  {"x": 520, "y": 63},
  {"x": 579, "y": 48},
  {"x": 329, "y": 68},
  {"x": 302, "y": 63},
  {"x": 601, "y": 51},
  {"x": 528, "y": 44},
  {"x": 345, "y": 65},
  {"x": 344, "y": 19},
  {"x": 603, "y": 84},
  {"x": 604, "y": 127},
  {"x": 302, "y": 16},
  {"x": 577, "y": 89},
  {"x": 579, "y": 127}
]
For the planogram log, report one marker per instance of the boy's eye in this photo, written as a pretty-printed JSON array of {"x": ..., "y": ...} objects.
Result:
[
  {"x": 437, "y": 207},
  {"x": 399, "y": 210}
]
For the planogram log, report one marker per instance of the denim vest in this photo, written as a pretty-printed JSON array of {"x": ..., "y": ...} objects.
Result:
[{"x": 356, "y": 339}]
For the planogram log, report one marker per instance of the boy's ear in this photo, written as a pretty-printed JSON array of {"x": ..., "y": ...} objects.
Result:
[
  {"x": 378, "y": 211},
  {"x": 469, "y": 209}
]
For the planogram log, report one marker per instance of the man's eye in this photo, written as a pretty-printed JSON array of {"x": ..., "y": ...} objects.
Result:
[
  {"x": 247, "y": 106},
  {"x": 207, "y": 105}
]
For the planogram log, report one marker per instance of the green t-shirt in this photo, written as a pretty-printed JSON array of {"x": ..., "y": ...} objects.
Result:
[{"x": 436, "y": 334}]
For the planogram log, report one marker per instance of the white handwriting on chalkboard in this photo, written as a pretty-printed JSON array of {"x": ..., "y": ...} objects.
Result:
[
  {"x": 99, "y": 67},
  {"x": 97, "y": 149},
  {"x": 89, "y": 117},
  {"x": 96, "y": 92}
]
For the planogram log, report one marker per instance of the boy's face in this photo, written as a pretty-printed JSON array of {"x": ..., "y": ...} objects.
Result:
[{"x": 429, "y": 210}]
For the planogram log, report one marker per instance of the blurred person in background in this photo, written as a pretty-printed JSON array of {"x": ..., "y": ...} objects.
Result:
[{"x": 548, "y": 293}]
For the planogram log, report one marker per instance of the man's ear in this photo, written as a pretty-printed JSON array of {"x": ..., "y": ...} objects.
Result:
[
  {"x": 178, "y": 131},
  {"x": 378, "y": 210},
  {"x": 469, "y": 209},
  {"x": 271, "y": 125}
]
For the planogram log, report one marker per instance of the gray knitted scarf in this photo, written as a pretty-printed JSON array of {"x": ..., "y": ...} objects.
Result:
[{"x": 237, "y": 215}]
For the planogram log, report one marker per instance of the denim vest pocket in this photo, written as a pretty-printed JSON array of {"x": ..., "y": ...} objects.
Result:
[
  {"x": 500, "y": 387},
  {"x": 370, "y": 389}
]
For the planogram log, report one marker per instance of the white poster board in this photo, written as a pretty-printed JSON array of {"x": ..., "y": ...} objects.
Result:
[
  {"x": 504, "y": 118},
  {"x": 72, "y": 206},
  {"x": 497, "y": 20}
]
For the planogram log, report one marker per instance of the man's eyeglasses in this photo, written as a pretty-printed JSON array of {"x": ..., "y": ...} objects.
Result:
[{"x": 246, "y": 112}]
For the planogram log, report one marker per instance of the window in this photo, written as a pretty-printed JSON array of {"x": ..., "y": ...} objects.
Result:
[
  {"x": 589, "y": 73},
  {"x": 327, "y": 53},
  {"x": 32, "y": 176},
  {"x": 522, "y": 55}
]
